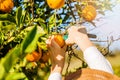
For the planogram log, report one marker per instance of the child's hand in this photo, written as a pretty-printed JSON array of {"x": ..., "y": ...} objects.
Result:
[
  {"x": 57, "y": 54},
  {"x": 75, "y": 33}
]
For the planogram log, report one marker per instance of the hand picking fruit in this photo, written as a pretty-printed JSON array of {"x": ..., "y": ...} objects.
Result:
[{"x": 91, "y": 54}]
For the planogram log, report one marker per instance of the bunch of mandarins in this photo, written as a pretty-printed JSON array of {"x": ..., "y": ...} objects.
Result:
[{"x": 6, "y": 5}]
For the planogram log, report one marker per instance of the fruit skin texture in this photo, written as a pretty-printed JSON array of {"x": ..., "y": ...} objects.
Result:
[
  {"x": 59, "y": 40},
  {"x": 34, "y": 56},
  {"x": 55, "y": 4},
  {"x": 6, "y": 5},
  {"x": 89, "y": 13}
]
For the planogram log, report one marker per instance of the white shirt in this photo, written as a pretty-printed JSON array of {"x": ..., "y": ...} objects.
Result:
[{"x": 94, "y": 59}]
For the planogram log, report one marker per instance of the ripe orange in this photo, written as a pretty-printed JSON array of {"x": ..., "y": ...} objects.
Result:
[
  {"x": 34, "y": 56},
  {"x": 89, "y": 13},
  {"x": 55, "y": 4},
  {"x": 6, "y": 5},
  {"x": 59, "y": 39}
]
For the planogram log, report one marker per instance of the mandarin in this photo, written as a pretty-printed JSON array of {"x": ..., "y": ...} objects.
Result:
[
  {"x": 89, "y": 13},
  {"x": 6, "y": 5},
  {"x": 59, "y": 40},
  {"x": 34, "y": 56},
  {"x": 55, "y": 4}
]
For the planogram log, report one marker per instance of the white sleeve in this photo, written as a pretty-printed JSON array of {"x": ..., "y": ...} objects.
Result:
[
  {"x": 96, "y": 60},
  {"x": 55, "y": 76}
]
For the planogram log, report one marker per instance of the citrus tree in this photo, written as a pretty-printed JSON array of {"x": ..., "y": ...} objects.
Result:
[{"x": 25, "y": 26}]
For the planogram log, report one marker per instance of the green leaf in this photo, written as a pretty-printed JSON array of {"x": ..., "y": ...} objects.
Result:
[
  {"x": 7, "y": 17},
  {"x": 18, "y": 15},
  {"x": 23, "y": 17},
  {"x": 11, "y": 58},
  {"x": 29, "y": 43},
  {"x": 2, "y": 72},
  {"x": 9, "y": 27},
  {"x": 46, "y": 29},
  {"x": 39, "y": 20},
  {"x": 41, "y": 31},
  {"x": 42, "y": 45},
  {"x": 15, "y": 76},
  {"x": 1, "y": 38},
  {"x": 52, "y": 21},
  {"x": 59, "y": 22},
  {"x": 1, "y": 24},
  {"x": 8, "y": 61}
]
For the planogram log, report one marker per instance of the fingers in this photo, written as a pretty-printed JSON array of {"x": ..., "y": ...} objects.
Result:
[
  {"x": 57, "y": 53},
  {"x": 64, "y": 48},
  {"x": 53, "y": 46},
  {"x": 51, "y": 43},
  {"x": 50, "y": 48},
  {"x": 48, "y": 42},
  {"x": 75, "y": 28},
  {"x": 75, "y": 31},
  {"x": 69, "y": 41}
]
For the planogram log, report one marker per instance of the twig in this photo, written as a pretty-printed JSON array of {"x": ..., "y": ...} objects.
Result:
[
  {"x": 70, "y": 56},
  {"x": 32, "y": 8},
  {"x": 75, "y": 55},
  {"x": 72, "y": 13},
  {"x": 105, "y": 40}
]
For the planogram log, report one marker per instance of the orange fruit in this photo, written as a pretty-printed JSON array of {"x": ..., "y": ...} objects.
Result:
[
  {"x": 34, "y": 56},
  {"x": 59, "y": 40},
  {"x": 89, "y": 13},
  {"x": 45, "y": 57},
  {"x": 55, "y": 4},
  {"x": 6, "y": 5}
]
